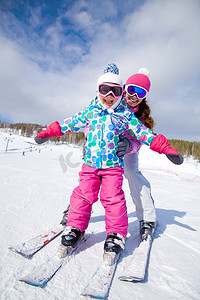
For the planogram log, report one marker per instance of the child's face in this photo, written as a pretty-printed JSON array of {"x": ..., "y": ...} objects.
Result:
[
  {"x": 133, "y": 101},
  {"x": 108, "y": 100}
]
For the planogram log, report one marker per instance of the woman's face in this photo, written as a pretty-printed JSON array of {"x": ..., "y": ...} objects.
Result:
[
  {"x": 108, "y": 101},
  {"x": 133, "y": 101}
]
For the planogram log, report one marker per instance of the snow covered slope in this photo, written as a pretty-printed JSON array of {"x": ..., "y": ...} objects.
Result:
[{"x": 35, "y": 190}]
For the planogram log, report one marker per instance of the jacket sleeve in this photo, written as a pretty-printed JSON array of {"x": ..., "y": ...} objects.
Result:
[
  {"x": 74, "y": 123},
  {"x": 157, "y": 143},
  {"x": 138, "y": 130}
]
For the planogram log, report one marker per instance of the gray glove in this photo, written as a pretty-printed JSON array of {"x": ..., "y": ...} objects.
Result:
[
  {"x": 176, "y": 159},
  {"x": 41, "y": 140},
  {"x": 123, "y": 146}
]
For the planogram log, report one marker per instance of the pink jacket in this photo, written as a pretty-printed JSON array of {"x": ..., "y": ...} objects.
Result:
[{"x": 135, "y": 144}]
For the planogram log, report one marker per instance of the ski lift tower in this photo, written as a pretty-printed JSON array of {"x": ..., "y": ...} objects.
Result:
[{"x": 8, "y": 139}]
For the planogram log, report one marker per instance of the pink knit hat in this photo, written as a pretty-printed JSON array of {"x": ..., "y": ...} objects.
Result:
[{"x": 140, "y": 79}]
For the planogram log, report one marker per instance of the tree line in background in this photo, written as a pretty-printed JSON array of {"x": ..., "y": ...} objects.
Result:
[
  {"x": 186, "y": 148},
  {"x": 29, "y": 130},
  {"x": 25, "y": 129}
]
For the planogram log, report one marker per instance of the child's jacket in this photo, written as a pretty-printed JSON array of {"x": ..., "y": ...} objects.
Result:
[{"x": 104, "y": 127}]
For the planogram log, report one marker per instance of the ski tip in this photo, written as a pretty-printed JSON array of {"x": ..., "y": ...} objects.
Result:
[
  {"x": 24, "y": 255},
  {"x": 130, "y": 278},
  {"x": 31, "y": 283},
  {"x": 92, "y": 296},
  {"x": 24, "y": 281}
]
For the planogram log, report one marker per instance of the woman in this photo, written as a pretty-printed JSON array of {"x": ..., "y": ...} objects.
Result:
[{"x": 136, "y": 89}]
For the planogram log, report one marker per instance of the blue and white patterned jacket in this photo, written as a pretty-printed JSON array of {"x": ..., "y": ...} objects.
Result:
[{"x": 103, "y": 129}]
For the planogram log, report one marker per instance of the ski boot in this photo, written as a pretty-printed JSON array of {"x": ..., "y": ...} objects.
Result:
[
  {"x": 113, "y": 245},
  {"x": 147, "y": 229},
  {"x": 70, "y": 239}
]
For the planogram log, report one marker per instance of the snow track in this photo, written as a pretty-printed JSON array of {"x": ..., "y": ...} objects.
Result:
[{"x": 34, "y": 191}]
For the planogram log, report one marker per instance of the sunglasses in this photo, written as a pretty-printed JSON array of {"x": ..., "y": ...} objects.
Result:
[
  {"x": 105, "y": 89},
  {"x": 134, "y": 89}
]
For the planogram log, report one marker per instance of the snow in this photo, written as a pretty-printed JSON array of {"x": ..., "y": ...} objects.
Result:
[{"x": 35, "y": 190}]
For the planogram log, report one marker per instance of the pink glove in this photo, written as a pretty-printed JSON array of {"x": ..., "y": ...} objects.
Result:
[
  {"x": 53, "y": 130},
  {"x": 161, "y": 145}
]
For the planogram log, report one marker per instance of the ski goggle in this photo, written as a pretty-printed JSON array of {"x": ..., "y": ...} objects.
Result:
[
  {"x": 105, "y": 89},
  {"x": 134, "y": 89}
]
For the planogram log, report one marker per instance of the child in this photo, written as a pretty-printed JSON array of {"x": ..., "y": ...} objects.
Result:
[{"x": 106, "y": 117}]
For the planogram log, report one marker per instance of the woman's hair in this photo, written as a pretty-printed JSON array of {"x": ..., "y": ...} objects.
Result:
[{"x": 144, "y": 113}]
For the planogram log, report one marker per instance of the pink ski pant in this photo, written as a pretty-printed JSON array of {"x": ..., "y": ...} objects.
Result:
[{"x": 109, "y": 182}]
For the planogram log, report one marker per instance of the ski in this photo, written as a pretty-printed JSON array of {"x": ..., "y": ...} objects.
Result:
[
  {"x": 42, "y": 274},
  {"x": 32, "y": 246},
  {"x": 100, "y": 283},
  {"x": 136, "y": 269}
]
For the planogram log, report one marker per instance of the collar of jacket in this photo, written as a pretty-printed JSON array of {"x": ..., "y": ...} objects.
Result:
[{"x": 97, "y": 103}]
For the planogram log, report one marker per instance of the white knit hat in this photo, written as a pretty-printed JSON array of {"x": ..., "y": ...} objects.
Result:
[
  {"x": 111, "y": 78},
  {"x": 111, "y": 75}
]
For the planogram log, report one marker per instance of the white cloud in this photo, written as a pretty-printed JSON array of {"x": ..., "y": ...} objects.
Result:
[
  {"x": 83, "y": 19},
  {"x": 41, "y": 86}
]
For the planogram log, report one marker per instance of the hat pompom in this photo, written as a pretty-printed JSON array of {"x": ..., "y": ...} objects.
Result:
[
  {"x": 144, "y": 71},
  {"x": 112, "y": 68}
]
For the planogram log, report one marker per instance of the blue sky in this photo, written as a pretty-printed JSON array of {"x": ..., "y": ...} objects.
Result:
[{"x": 53, "y": 51}]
